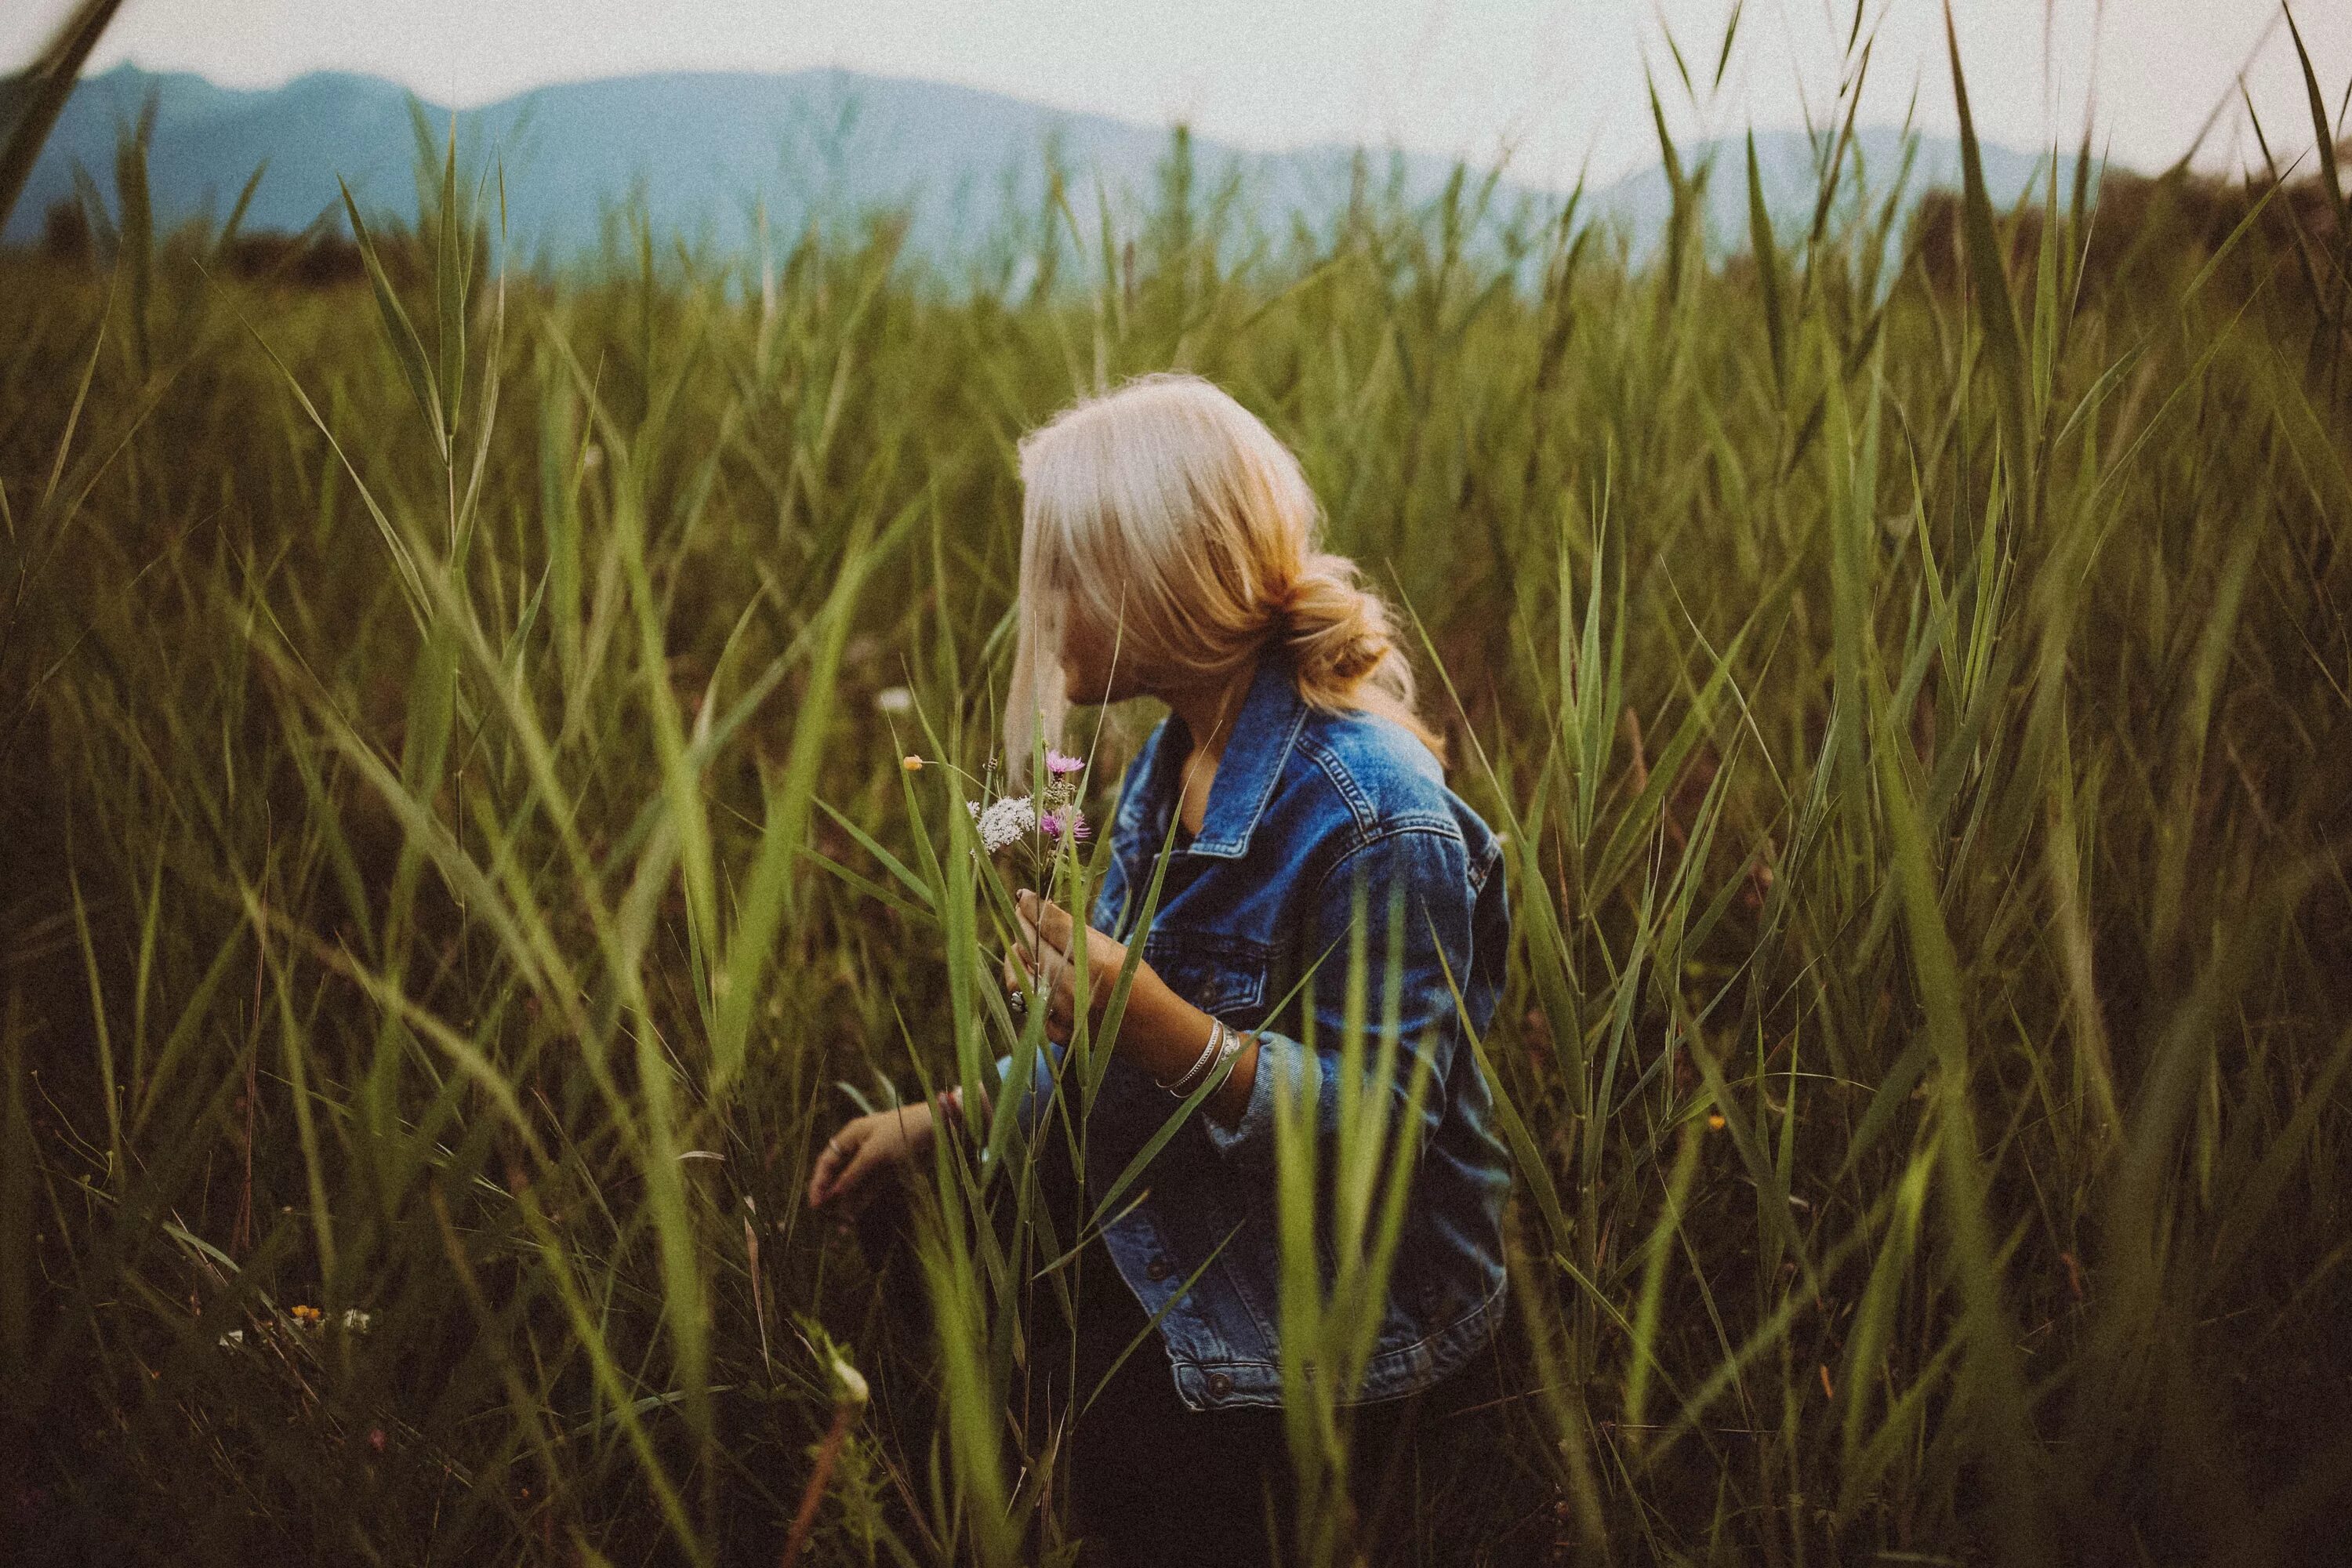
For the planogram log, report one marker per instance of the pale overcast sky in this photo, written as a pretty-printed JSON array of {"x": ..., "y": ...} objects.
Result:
[{"x": 1561, "y": 80}]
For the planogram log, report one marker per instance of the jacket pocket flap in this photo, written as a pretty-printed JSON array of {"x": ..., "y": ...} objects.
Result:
[{"x": 1217, "y": 974}]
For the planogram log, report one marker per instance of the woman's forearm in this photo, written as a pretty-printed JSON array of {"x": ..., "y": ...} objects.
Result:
[{"x": 1164, "y": 1035}]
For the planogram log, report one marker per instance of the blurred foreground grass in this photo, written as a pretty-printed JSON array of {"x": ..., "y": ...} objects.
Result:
[{"x": 454, "y": 855}]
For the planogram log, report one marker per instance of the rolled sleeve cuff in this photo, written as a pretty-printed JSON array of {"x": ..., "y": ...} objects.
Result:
[{"x": 1251, "y": 1139}]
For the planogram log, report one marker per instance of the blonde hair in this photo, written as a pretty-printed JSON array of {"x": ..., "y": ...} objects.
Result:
[{"x": 1175, "y": 521}]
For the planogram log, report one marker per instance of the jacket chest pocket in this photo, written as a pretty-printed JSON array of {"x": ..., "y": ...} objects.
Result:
[{"x": 1222, "y": 975}]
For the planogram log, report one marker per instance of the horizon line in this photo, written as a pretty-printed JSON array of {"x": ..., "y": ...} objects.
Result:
[{"x": 1501, "y": 160}]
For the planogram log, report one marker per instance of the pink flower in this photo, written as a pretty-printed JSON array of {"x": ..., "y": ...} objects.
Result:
[
  {"x": 1069, "y": 818},
  {"x": 1058, "y": 763}
]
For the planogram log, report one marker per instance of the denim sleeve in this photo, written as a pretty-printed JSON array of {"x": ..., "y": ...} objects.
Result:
[{"x": 1431, "y": 868}]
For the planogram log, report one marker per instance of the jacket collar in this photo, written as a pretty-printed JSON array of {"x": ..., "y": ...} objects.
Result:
[{"x": 1263, "y": 730}]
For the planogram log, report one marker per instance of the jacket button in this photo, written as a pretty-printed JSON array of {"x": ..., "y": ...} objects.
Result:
[
  {"x": 1157, "y": 1268},
  {"x": 1219, "y": 1385}
]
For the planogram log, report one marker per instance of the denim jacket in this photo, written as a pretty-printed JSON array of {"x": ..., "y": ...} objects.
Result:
[{"x": 1304, "y": 805}]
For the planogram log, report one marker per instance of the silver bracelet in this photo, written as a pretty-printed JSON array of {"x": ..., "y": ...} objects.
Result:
[
  {"x": 1226, "y": 1052},
  {"x": 1227, "y": 1044},
  {"x": 1175, "y": 1085}
]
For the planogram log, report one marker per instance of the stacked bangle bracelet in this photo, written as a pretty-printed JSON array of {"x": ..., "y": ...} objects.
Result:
[{"x": 1222, "y": 1046}]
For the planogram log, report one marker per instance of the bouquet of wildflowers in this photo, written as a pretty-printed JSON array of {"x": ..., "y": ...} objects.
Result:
[
  {"x": 1042, "y": 825},
  {"x": 1042, "y": 822}
]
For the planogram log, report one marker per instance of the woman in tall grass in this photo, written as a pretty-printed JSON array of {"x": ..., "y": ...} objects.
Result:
[{"x": 1168, "y": 551}]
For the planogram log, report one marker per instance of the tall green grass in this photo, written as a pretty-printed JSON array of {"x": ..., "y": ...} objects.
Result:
[{"x": 458, "y": 871}]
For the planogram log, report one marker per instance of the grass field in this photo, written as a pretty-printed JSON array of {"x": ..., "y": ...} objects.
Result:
[{"x": 457, "y": 868}]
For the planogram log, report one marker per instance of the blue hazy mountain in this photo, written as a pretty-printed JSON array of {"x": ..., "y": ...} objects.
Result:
[
  {"x": 706, "y": 153},
  {"x": 1785, "y": 168}
]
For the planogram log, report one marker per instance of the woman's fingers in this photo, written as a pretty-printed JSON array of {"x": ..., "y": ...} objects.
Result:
[
  {"x": 825, "y": 1179},
  {"x": 822, "y": 1171},
  {"x": 1047, "y": 932},
  {"x": 1045, "y": 960},
  {"x": 1049, "y": 972},
  {"x": 1051, "y": 920},
  {"x": 861, "y": 1165},
  {"x": 1020, "y": 971},
  {"x": 820, "y": 1178}
]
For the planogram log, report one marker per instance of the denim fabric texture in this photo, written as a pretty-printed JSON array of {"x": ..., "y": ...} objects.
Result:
[{"x": 1305, "y": 805}]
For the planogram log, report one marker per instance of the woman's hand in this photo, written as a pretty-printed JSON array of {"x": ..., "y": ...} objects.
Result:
[
  {"x": 1160, "y": 1033},
  {"x": 1047, "y": 935},
  {"x": 867, "y": 1144}
]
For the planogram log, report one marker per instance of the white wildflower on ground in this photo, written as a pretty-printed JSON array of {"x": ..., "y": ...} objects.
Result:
[
  {"x": 850, "y": 1381},
  {"x": 304, "y": 1319}
]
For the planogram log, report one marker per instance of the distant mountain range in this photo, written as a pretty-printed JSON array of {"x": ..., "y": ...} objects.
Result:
[{"x": 706, "y": 151}]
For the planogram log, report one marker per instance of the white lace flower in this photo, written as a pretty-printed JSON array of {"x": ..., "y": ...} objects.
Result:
[{"x": 1005, "y": 821}]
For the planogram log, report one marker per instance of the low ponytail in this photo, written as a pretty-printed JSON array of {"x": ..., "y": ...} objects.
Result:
[
  {"x": 1343, "y": 646},
  {"x": 1337, "y": 632}
]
